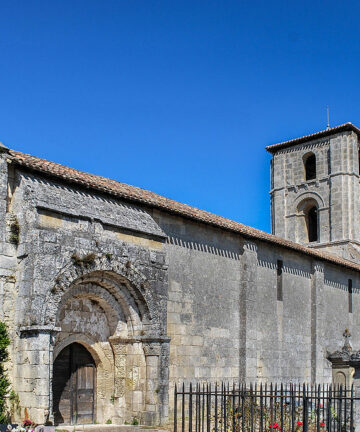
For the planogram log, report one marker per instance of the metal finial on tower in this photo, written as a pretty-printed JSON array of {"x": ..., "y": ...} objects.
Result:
[{"x": 328, "y": 117}]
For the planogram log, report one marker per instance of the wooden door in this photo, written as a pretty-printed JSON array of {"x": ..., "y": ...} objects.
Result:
[
  {"x": 84, "y": 395},
  {"x": 74, "y": 376}
]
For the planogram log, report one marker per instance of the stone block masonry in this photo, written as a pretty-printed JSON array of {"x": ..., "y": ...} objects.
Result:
[{"x": 150, "y": 293}]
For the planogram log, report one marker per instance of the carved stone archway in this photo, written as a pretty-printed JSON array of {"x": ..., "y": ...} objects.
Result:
[
  {"x": 133, "y": 344},
  {"x": 112, "y": 273}
]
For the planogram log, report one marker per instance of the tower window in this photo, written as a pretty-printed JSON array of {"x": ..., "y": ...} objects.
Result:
[
  {"x": 310, "y": 167},
  {"x": 308, "y": 227},
  {"x": 312, "y": 224}
]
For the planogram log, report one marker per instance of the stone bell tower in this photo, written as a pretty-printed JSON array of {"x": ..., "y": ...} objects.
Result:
[{"x": 315, "y": 190}]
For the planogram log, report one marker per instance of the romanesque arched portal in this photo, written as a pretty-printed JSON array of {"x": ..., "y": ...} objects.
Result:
[{"x": 106, "y": 311}]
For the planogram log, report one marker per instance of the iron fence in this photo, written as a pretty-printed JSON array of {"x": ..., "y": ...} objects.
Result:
[{"x": 258, "y": 408}]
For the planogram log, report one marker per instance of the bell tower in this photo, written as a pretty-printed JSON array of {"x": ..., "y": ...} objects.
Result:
[{"x": 315, "y": 190}]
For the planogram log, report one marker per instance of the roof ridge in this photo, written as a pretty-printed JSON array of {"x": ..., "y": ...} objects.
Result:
[
  {"x": 325, "y": 132},
  {"x": 143, "y": 196}
]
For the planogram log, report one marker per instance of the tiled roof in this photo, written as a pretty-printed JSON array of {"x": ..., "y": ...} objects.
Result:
[
  {"x": 151, "y": 199},
  {"x": 322, "y": 134}
]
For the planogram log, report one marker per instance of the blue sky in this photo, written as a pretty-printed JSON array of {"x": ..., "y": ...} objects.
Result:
[{"x": 179, "y": 97}]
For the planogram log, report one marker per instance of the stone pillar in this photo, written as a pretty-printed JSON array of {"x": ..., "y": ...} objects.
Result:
[
  {"x": 248, "y": 314},
  {"x": 318, "y": 354},
  {"x": 119, "y": 350},
  {"x": 157, "y": 380},
  {"x": 152, "y": 355},
  {"x": 34, "y": 369}
]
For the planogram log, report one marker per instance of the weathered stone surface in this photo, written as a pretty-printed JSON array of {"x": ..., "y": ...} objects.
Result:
[{"x": 158, "y": 299}]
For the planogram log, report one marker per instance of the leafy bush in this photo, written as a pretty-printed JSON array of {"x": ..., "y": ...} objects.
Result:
[{"x": 4, "y": 381}]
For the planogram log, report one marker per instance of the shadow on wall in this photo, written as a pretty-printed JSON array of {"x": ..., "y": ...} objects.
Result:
[{"x": 204, "y": 247}]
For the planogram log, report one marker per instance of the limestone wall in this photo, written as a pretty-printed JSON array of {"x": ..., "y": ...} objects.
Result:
[
  {"x": 109, "y": 257},
  {"x": 204, "y": 301},
  {"x": 335, "y": 190},
  {"x": 121, "y": 279}
]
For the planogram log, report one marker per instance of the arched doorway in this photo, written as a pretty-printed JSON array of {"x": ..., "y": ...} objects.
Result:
[{"x": 74, "y": 382}]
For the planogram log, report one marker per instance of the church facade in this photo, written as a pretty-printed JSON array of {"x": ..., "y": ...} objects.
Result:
[{"x": 113, "y": 294}]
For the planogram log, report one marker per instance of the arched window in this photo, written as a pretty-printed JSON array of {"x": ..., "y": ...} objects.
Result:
[
  {"x": 310, "y": 166},
  {"x": 312, "y": 224},
  {"x": 308, "y": 228}
]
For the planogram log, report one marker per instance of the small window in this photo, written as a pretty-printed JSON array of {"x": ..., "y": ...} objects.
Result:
[
  {"x": 312, "y": 224},
  {"x": 310, "y": 167},
  {"x": 350, "y": 292},
  {"x": 279, "y": 287}
]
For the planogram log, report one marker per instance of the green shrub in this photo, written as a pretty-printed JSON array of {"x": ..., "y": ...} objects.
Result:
[
  {"x": 4, "y": 381},
  {"x": 108, "y": 421}
]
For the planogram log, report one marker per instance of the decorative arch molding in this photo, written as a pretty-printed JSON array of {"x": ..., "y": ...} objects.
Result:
[
  {"x": 126, "y": 284},
  {"x": 307, "y": 196},
  {"x": 106, "y": 300}
]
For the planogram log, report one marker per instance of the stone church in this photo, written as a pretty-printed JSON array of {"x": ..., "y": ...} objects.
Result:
[{"x": 113, "y": 294}]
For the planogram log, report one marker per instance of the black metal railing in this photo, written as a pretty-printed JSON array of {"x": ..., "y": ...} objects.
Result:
[{"x": 269, "y": 407}]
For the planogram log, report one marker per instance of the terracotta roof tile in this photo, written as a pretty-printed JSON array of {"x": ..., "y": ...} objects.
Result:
[
  {"x": 344, "y": 127},
  {"x": 142, "y": 196}
]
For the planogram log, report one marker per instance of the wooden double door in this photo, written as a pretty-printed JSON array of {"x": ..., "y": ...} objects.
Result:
[{"x": 74, "y": 381}]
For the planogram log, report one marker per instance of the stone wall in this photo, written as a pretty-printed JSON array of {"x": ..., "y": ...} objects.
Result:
[
  {"x": 122, "y": 280},
  {"x": 82, "y": 273},
  {"x": 335, "y": 191},
  {"x": 225, "y": 321}
]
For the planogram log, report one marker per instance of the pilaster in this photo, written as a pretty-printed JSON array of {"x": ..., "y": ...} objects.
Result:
[
  {"x": 248, "y": 313},
  {"x": 318, "y": 355},
  {"x": 152, "y": 352},
  {"x": 344, "y": 187}
]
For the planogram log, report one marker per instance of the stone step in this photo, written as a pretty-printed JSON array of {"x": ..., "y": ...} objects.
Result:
[{"x": 106, "y": 428}]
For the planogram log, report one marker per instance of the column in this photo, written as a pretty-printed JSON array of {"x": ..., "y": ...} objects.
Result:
[{"x": 152, "y": 354}]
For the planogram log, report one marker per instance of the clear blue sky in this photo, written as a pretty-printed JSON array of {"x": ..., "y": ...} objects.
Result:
[{"x": 179, "y": 97}]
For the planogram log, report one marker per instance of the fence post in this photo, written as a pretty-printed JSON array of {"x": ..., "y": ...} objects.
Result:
[
  {"x": 352, "y": 408},
  {"x": 175, "y": 409},
  {"x": 233, "y": 407},
  {"x": 183, "y": 409},
  {"x": 190, "y": 407},
  {"x": 261, "y": 409},
  {"x": 305, "y": 408},
  {"x": 208, "y": 408},
  {"x": 216, "y": 409}
]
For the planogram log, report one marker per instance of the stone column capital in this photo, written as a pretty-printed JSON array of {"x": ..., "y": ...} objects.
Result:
[{"x": 152, "y": 349}]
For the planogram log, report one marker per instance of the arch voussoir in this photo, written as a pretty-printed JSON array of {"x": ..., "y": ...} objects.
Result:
[{"x": 127, "y": 284}]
